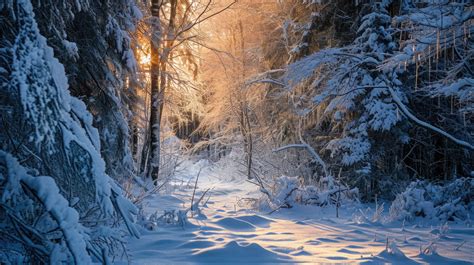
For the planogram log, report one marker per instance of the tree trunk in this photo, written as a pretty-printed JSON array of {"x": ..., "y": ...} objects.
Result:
[
  {"x": 158, "y": 87},
  {"x": 249, "y": 144},
  {"x": 152, "y": 164},
  {"x": 245, "y": 119}
]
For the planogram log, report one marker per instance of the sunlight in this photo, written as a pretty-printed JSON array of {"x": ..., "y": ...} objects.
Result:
[
  {"x": 144, "y": 59},
  {"x": 236, "y": 132},
  {"x": 142, "y": 51}
]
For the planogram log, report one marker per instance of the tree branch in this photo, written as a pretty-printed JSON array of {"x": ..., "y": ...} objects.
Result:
[{"x": 426, "y": 125}]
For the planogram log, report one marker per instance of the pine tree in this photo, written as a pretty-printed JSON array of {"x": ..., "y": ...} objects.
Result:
[{"x": 51, "y": 170}]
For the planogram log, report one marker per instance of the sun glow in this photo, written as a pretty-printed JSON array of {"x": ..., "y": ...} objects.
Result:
[{"x": 144, "y": 59}]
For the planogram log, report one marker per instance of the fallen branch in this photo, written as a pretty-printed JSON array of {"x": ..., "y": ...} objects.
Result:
[{"x": 116, "y": 201}]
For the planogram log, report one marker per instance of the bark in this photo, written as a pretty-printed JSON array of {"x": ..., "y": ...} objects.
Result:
[
  {"x": 158, "y": 88},
  {"x": 152, "y": 164}
]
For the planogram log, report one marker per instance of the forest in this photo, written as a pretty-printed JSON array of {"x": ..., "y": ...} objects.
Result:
[{"x": 236, "y": 131}]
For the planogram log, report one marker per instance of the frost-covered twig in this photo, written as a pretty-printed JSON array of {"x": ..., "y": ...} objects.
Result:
[
  {"x": 196, "y": 205},
  {"x": 285, "y": 203},
  {"x": 289, "y": 194},
  {"x": 261, "y": 184},
  {"x": 148, "y": 192},
  {"x": 263, "y": 78},
  {"x": 308, "y": 148}
]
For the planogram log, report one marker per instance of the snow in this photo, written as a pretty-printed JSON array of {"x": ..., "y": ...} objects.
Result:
[
  {"x": 229, "y": 230},
  {"x": 67, "y": 217},
  {"x": 462, "y": 88},
  {"x": 47, "y": 192},
  {"x": 354, "y": 149},
  {"x": 55, "y": 116},
  {"x": 71, "y": 49},
  {"x": 49, "y": 107},
  {"x": 445, "y": 203},
  {"x": 230, "y": 220},
  {"x": 304, "y": 68}
]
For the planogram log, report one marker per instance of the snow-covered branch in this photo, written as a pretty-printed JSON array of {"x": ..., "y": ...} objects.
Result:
[
  {"x": 310, "y": 150},
  {"x": 426, "y": 125}
]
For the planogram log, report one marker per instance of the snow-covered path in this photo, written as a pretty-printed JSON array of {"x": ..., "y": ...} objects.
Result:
[{"x": 228, "y": 232}]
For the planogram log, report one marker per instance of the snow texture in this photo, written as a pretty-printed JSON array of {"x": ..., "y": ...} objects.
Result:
[{"x": 229, "y": 231}]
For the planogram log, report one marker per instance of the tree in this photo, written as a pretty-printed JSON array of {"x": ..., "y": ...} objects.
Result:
[
  {"x": 377, "y": 95},
  {"x": 53, "y": 180},
  {"x": 92, "y": 40},
  {"x": 173, "y": 42},
  {"x": 230, "y": 117},
  {"x": 363, "y": 106},
  {"x": 157, "y": 91}
]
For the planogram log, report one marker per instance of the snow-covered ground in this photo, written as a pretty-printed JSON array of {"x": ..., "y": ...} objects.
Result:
[{"x": 229, "y": 231}]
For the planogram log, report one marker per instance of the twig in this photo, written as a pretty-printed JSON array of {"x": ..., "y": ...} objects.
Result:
[
  {"x": 200, "y": 199},
  {"x": 195, "y": 185},
  {"x": 427, "y": 249},
  {"x": 278, "y": 208},
  {"x": 306, "y": 146},
  {"x": 460, "y": 245}
]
